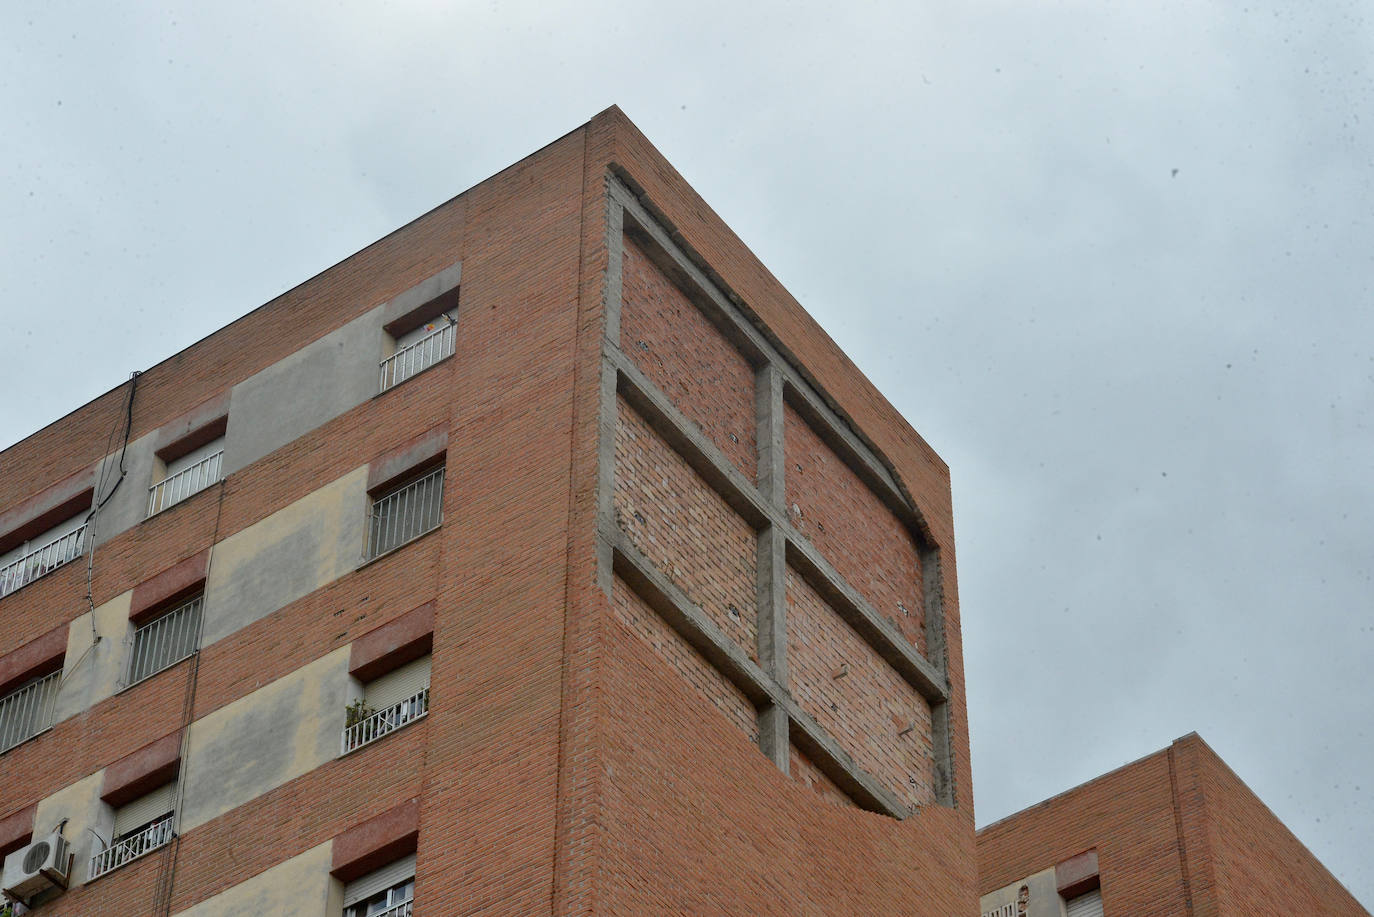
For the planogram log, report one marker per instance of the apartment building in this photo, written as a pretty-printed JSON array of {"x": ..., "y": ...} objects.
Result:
[
  {"x": 1174, "y": 834},
  {"x": 544, "y": 557}
]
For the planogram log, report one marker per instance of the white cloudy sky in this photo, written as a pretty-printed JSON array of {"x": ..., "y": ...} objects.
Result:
[{"x": 1113, "y": 260}]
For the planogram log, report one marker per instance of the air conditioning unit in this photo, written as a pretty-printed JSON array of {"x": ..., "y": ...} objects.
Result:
[{"x": 36, "y": 868}]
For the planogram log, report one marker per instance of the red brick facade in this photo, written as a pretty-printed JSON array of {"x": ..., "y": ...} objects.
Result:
[
  {"x": 1175, "y": 834},
  {"x": 578, "y": 756}
]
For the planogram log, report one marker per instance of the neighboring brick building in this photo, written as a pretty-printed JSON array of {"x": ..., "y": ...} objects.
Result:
[
  {"x": 1174, "y": 834},
  {"x": 544, "y": 557}
]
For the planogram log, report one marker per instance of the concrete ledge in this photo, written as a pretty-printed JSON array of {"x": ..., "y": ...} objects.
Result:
[
  {"x": 137, "y": 774},
  {"x": 35, "y": 658},
  {"x": 47, "y": 508},
  {"x": 16, "y": 830},
  {"x": 1077, "y": 875},
  {"x": 177, "y": 582},
  {"x": 393, "y": 644},
  {"x": 412, "y": 457},
  {"x": 423, "y": 301},
  {"x": 207, "y": 421},
  {"x": 376, "y": 842}
]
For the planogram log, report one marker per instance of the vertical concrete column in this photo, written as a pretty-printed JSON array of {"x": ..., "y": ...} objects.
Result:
[
  {"x": 605, "y": 459},
  {"x": 771, "y": 582}
]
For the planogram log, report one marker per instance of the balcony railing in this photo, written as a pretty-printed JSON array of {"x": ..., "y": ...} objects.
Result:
[
  {"x": 42, "y": 560},
  {"x": 184, "y": 483},
  {"x": 406, "y": 513},
  {"x": 1004, "y": 910},
  {"x": 165, "y": 640},
  {"x": 385, "y": 721},
  {"x": 396, "y": 910},
  {"x": 418, "y": 356},
  {"x": 27, "y": 712},
  {"x": 128, "y": 849}
]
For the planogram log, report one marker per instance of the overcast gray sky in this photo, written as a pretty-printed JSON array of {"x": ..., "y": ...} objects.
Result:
[{"x": 1113, "y": 260}]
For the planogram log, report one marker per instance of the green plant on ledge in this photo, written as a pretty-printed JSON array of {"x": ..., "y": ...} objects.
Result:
[{"x": 354, "y": 714}]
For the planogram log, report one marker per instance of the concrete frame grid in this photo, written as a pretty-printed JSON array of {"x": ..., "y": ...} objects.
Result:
[{"x": 779, "y": 384}]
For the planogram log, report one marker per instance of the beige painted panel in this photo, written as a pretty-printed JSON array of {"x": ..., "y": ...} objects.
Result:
[
  {"x": 298, "y": 886},
  {"x": 286, "y": 555},
  {"x": 259, "y": 742},
  {"x": 1044, "y": 896},
  {"x": 80, "y": 805},
  {"x": 94, "y": 672}
]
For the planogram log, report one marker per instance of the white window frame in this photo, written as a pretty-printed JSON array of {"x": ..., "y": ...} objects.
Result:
[{"x": 395, "y": 881}]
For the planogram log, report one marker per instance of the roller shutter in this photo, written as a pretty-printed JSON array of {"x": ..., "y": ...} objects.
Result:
[
  {"x": 1089, "y": 905},
  {"x": 398, "y": 684},
  {"x": 366, "y": 886}
]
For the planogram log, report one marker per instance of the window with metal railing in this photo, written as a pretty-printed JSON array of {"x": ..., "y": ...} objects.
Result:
[
  {"x": 186, "y": 476},
  {"x": 389, "y": 701},
  {"x": 387, "y": 892},
  {"x": 139, "y": 842},
  {"x": 418, "y": 351},
  {"x": 405, "y": 513},
  {"x": 26, "y": 564},
  {"x": 165, "y": 640},
  {"x": 27, "y": 710}
]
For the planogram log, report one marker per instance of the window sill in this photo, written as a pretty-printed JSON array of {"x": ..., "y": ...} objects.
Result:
[{"x": 400, "y": 547}]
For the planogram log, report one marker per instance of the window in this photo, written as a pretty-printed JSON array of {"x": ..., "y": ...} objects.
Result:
[
  {"x": 418, "y": 350},
  {"x": 405, "y": 512},
  {"x": 388, "y": 702},
  {"x": 165, "y": 640},
  {"x": 140, "y": 827},
  {"x": 1089, "y": 905},
  {"x": 384, "y": 893},
  {"x": 38, "y": 556},
  {"x": 27, "y": 710},
  {"x": 186, "y": 474}
]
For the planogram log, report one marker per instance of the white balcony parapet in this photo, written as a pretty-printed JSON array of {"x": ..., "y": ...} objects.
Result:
[
  {"x": 418, "y": 356},
  {"x": 165, "y": 640},
  {"x": 385, "y": 721},
  {"x": 127, "y": 849},
  {"x": 28, "y": 711},
  {"x": 406, "y": 513},
  {"x": 42, "y": 560},
  {"x": 184, "y": 483}
]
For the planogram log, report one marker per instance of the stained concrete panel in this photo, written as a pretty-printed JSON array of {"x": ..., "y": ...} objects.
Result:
[
  {"x": 1043, "y": 897},
  {"x": 306, "y": 389},
  {"x": 80, "y": 805},
  {"x": 259, "y": 742},
  {"x": 300, "y": 885},
  {"x": 128, "y": 505},
  {"x": 93, "y": 670},
  {"x": 286, "y": 555}
]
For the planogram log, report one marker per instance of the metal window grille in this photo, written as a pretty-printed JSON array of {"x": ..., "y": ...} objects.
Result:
[
  {"x": 42, "y": 560},
  {"x": 28, "y": 711},
  {"x": 165, "y": 640},
  {"x": 406, "y": 513},
  {"x": 184, "y": 483},
  {"x": 418, "y": 356},
  {"x": 132, "y": 846},
  {"x": 386, "y": 721}
]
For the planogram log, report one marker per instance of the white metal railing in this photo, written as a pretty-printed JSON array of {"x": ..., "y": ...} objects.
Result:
[
  {"x": 397, "y": 910},
  {"x": 42, "y": 560},
  {"x": 177, "y": 487},
  {"x": 419, "y": 355},
  {"x": 27, "y": 712},
  {"x": 1005, "y": 910},
  {"x": 385, "y": 721},
  {"x": 127, "y": 849},
  {"x": 405, "y": 513},
  {"x": 164, "y": 641}
]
